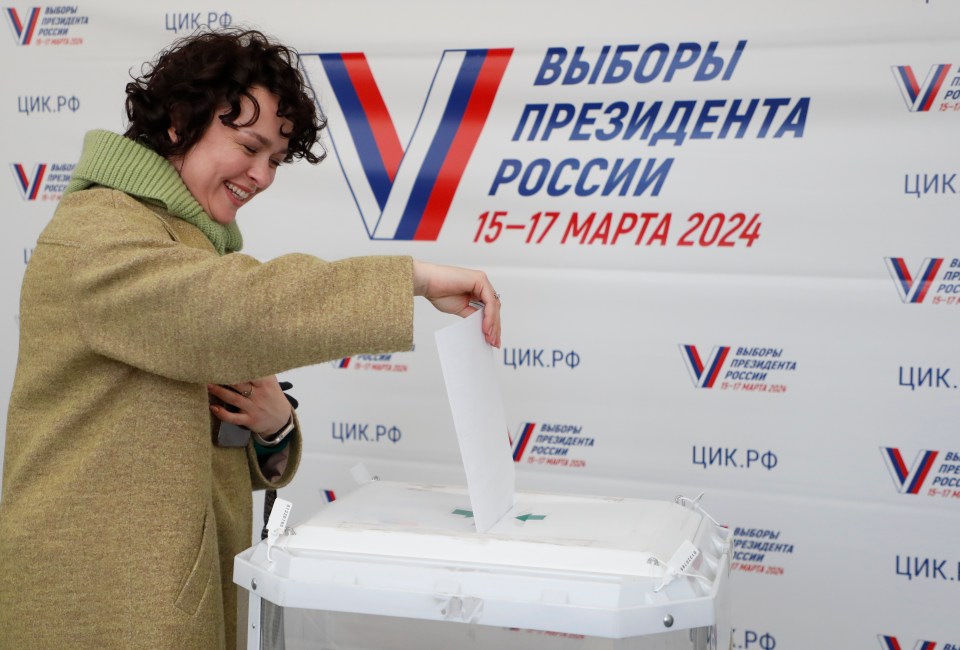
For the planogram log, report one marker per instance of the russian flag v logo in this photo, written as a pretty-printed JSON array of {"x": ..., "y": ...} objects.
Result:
[{"x": 404, "y": 193}]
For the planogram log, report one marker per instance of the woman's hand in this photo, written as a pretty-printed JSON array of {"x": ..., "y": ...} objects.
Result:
[
  {"x": 451, "y": 289},
  {"x": 261, "y": 405}
]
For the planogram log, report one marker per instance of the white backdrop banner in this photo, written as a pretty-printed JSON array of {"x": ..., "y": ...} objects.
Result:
[{"x": 726, "y": 235}]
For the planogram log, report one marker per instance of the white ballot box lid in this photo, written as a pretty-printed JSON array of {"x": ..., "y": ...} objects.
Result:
[{"x": 607, "y": 567}]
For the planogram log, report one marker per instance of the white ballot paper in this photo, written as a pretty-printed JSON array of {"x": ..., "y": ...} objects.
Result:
[{"x": 468, "y": 370}]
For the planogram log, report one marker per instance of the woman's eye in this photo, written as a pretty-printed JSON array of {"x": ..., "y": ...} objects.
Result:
[{"x": 249, "y": 149}]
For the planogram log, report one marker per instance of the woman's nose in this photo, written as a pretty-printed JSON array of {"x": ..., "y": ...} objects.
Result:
[{"x": 262, "y": 173}]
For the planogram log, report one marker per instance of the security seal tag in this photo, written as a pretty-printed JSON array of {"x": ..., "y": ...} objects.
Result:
[
  {"x": 277, "y": 523},
  {"x": 683, "y": 558}
]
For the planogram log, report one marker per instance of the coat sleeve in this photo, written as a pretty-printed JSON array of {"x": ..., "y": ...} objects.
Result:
[
  {"x": 149, "y": 301},
  {"x": 266, "y": 472}
]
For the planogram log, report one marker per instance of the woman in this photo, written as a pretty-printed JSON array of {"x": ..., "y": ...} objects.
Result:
[{"x": 126, "y": 484}]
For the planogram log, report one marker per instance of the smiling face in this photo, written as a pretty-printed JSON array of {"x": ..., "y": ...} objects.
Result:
[{"x": 229, "y": 165}]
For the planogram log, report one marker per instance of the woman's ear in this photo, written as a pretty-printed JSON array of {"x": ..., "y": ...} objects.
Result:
[{"x": 173, "y": 133}]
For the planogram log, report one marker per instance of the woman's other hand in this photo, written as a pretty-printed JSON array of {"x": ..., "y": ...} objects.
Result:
[{"x": 261, "y": 405}]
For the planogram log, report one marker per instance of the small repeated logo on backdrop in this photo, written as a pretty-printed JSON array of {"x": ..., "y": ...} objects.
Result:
[
  {"x": 365, "y": 432},
  {"x": 47, "y": 26},
  {"x": 704, "y": 374},
  {"x": 940, "y": 479},
  {"x": 43, "y": 181},
  {"x": 740, "y": 368},
  {"x": 518, "y": 358},
  {"x": 759, "y": 551},
  {"x": 922, "y": 185},
  {"x": 724, "y": 458},
  {"x": 893, "y": 643},
  {"x": 752, "y": 640},
  {"x": 525, "y": 435},
  {"x": 921, "y": 97},
  {"x": 405, "y": 193},
  {"x": 192, "y": 21},
  {"x": 28, "y": 182},
  {"x": 23, "y": 25},
  {"x": 371, "y": 362},
  {"x": 41, "y": 104},
  {"x": 913, "y": 289},
  {"x": 550, "y": 444},
  {"x": 926, "y": 378},
  {"x": 936, "y": 569},
  {"x": 935, "y": 282},
  {"x": 908, "y": 480}
]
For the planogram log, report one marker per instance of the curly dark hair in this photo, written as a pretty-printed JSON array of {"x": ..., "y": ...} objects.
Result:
[{"x": 200, "y": 73}]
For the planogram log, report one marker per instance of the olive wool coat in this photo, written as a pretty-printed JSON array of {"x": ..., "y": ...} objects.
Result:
[{"x": 119, "y": 518}]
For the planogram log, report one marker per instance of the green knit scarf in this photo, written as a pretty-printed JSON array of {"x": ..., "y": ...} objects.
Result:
[{"x": 117, "y": 162}]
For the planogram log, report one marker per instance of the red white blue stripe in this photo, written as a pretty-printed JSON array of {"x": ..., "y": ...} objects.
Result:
[
  {"x": 29, "y": 186},
  {"x": 406, "y": 193},
  {"x": 908, "y": 480},
  {"x": 891, "y": 643},
  {"x": 23, "y": 30},
  {"x": 523, "y": 439},
  {"x": 920, "y": 97},
  {"x": 704, "y": 375},
  {"x": 910, "y": 290}
]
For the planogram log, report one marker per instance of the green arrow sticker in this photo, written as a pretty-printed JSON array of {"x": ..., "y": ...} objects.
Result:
[
  {"x": 463, "y": 513},
  {"x": 531, "y": 517}
]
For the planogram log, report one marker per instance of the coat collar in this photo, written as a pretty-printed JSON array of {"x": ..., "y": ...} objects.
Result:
[{"x": 115, "y": 161}]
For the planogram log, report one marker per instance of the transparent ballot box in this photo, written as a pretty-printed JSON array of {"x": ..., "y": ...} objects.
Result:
[{"x": 396, "y": 566}]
